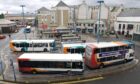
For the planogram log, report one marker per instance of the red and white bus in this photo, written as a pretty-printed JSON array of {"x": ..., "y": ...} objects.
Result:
[
  {"x": 38, "y": 62},
  {"x": 98, "y": 55}
]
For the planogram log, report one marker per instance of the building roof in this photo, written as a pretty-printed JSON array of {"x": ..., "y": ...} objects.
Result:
[
  {"x": 85, "y": 21},
  {"x": 50, "y": 57},
  {"x": 115, "y": 9},
  {"x": 5, "y": 22},
  {"x": 20, "y": 15},
  {"x": 43, "y": 9},
  {"x": 61, "y": 4},
  {"x": 132, "y": 12}
]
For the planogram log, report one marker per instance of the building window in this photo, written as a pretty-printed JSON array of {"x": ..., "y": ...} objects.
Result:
[
  {"x": 130, "y": 26},
  {"x": 83, "y": 24},
  {"x": 119, "y": 26},
  {"x": 77, "y": 25},
  {"x": 102, "y": 25},
  {"x": 123, "y": 26},
  {"x": 139, "y": 29},
  {"x": 89, "y": 25},
  {"x": 92, "y": 24}
]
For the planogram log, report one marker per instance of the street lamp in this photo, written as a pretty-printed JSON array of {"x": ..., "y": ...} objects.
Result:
[
  {"x": 23, "y": 22},
  {"x": 100, "y": 2}
]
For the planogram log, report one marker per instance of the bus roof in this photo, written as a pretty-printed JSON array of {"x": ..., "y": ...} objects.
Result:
[
  {"x": 71, "y": 37},
  {"x": 37, "y": 41},
  {"x": 51, "y": 57},
  {"x": 75, "y": 44},
  {"x": 108, "y": 44},
  {"x": 28, "y": 27}
]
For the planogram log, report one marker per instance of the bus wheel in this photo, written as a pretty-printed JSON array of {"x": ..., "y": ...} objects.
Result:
[
  {"x": 101, "y": 66},
  {"x": 45, "y": 50},
  {"x": 125, "y": 60},
  {"x": 34, "y": 71}
]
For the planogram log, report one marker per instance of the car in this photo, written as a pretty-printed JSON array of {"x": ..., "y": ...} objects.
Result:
[{"x": 2, "y": 36}]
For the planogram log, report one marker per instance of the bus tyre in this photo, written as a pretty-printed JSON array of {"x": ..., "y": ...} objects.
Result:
[
  {"x": 101, "y": 66},
  {"x": 125, "y": 60},
  {"x": 34, "y": 71},
  {"x": 45, "y": 50}
]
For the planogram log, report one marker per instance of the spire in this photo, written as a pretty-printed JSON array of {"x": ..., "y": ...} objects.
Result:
[
  {"x": 61, "y": 4},
  {"x": 84, "y": 2}
]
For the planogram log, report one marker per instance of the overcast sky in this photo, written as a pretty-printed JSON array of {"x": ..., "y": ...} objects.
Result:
[{"x": 13, "y": 6}]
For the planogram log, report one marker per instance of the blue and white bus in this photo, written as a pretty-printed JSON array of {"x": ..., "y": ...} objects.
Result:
[{"x": 33, "y": 45}]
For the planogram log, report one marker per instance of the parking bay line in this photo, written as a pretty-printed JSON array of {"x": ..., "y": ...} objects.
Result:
[{"x": 81, "y": 81}]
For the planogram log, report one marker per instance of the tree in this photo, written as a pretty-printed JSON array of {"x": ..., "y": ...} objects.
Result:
[{"x": 2, "y": 16}]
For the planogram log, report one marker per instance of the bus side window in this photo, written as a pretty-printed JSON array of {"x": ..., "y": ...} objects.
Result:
[
  {"x": 103, "y": 49},
  {"x": 21, "y": 44},
  {"x": 31, "y": 45},
  {"x": 110, "y": 49},
  {"x": 77, "y": 65},
  {"x": 97, "y": 51},
  {"x": 26, "y": 44},
  {"x": 103, "y": 59},
  {"x": 40, "y": 45},
  {"x": 82, "y": 50},
  {"x": 68, "y": 65},
  {"x": 116, "y": 48},
  {"x": 17, "y": 45},
  {"x": 72, "y": 50},
  {"x": 77, "y": 50},
  {"x": 121, "y": 47},
  {"x": 46, "y": 45},
  {"x": 35, "y": 45}
]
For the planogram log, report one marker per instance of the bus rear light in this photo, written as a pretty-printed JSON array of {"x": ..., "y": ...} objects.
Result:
[{"x": 25, "y": 59}]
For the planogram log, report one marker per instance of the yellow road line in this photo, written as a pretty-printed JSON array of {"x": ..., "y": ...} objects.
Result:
[{"x": 81, "y": 81}]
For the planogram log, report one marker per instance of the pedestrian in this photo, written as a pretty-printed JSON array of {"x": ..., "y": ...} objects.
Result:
[{"x": 9, "y": 36}]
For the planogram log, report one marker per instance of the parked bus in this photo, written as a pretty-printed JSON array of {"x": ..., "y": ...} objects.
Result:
[
  {"x": 38, "y": 62},
  {"x": 68, "y": 35},
  {"x": 75, "y": 38},
  {"x": 32, "y": 45},
  {"x": 98, "y": 55},
  {"x": 74, "y": 47}
]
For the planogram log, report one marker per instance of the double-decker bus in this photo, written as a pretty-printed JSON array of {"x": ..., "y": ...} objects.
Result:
[
  {"x": 98, "y": 55},
  {"x": 74, "y": 47},
  {"x": 32, "y": 45},
  {"x": 38, "y": 62}
]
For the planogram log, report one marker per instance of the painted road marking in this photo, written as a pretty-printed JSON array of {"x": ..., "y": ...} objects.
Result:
[{"x": 81, "y": 81}]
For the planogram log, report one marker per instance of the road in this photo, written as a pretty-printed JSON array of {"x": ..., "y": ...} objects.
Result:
[{"x": 127, "y": 77}]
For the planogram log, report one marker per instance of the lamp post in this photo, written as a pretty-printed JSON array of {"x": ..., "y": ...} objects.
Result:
[
  {"x": 23, "y": 22},
  {"x": 98, "y": 33},
  {"x": 11, "y": 61},
  {"x": 1, "y": 66}
]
